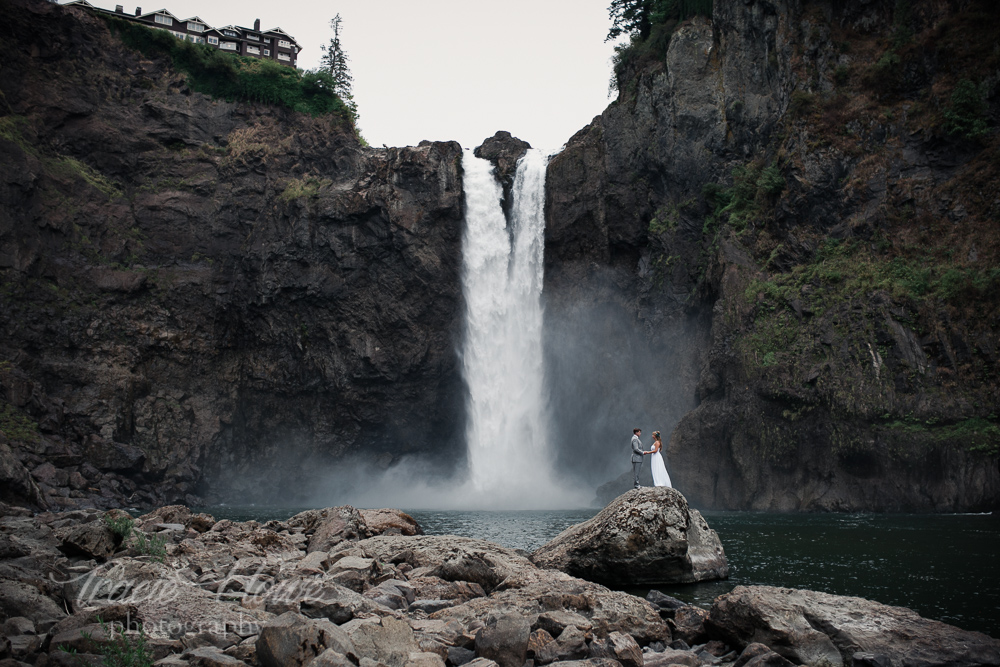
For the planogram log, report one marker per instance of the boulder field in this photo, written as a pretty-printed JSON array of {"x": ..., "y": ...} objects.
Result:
[{"x": 365, "y": 588}]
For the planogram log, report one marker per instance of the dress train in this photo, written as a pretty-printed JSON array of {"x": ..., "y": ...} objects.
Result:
[{"x": 660, "y": 476}]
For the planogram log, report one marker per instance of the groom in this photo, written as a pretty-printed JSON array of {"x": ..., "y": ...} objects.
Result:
[{"x": 637, "y": 453}]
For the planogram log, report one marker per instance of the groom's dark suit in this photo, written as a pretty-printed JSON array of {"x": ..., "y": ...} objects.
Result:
[{"x": 637, "y": 454}]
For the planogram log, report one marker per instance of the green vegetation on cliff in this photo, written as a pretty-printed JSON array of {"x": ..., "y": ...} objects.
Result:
[
  {"x": 649, "y": 25},
  {"x": 231, "y": 77}
]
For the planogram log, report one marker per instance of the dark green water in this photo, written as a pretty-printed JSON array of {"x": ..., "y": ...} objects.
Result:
[{"x": 944, "y": 566}]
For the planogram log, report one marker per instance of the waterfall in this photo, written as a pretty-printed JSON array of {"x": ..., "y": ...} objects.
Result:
[{"x": 510, "y": 460}]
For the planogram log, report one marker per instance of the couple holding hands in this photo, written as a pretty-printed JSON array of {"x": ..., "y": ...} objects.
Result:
[{"x": 659, "y": 470}]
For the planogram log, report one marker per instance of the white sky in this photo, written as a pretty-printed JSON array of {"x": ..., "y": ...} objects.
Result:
[{"x": 447, "y": 69}]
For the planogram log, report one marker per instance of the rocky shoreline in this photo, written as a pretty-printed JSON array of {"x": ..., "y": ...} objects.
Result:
[{"x": 365, "y": 588}]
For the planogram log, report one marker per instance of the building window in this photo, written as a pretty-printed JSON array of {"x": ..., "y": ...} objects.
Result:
[
  {"x": 283, "y": 56},
  {"x": 179, "y": 35},
  {"x": 195, "y": 27},
  {"x": 165, "y": 20},
  {"x": 267, "y": 52},
  {"x": 228, "y": 46},
  {"x": 255, "y": 38},
  {"x": 229, "y": 33},
  {"x": 253, "y": 49},
  {"x": 285, "y": 44},
  {"x": 213, "y": 40}
]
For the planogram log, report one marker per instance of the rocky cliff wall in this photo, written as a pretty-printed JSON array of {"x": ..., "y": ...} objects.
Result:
[
  {"x": 786, "y": 211},
  {"x": 205, "y": 297}
]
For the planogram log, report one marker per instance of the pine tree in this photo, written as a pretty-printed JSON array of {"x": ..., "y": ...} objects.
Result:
[{"x": 334, "y": 62}]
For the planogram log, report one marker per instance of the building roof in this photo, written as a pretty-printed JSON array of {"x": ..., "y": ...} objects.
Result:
[{"x": 159, "y": 11}]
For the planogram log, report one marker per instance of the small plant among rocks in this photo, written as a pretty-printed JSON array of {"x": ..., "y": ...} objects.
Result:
[
  {"x": 124, "y": 529},
  {"x": 121, "y": 651}
]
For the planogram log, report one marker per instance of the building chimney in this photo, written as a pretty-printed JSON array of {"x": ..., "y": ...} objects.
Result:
[
  {"x": 256, "y": 25},
  {"x": 138, "y": 11},
  {"x": 119, "y": 9}
]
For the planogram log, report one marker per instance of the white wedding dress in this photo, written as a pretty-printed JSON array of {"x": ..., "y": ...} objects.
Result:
[{"x": 660, "y": 476}]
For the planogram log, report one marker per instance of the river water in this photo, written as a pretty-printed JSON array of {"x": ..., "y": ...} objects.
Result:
[{"x": 944, "y": 566}]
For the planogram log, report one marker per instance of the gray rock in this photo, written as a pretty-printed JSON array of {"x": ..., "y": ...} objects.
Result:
[
  {"x": 331, "y": 658},
  {"x": 91, "y": 540},
  {"x": 572, "y": 644},
  {"x": 460, "y": 656},
  {"x": 386, "y": 640},
  {"x": 672, "y": 657},
  {"x": 16, "y": 484},
  {"x": 12, "y": 548},
  {"x": 625, "y": 650},
  {"x": 431, "y": 606},
  {"x": 504, "y": 640},
  {"x": 18, "y": 598},
  {"x": 646, "y": 536},
  {"x": 18, "y": 625},
  {"x": 211, "y": 656},
  {"x": 667, "y": 605},
  {"x": 554, "y": 622},
  {"x": 808, "y": 627},
  {"x": 293, "y": 639},
  {"x": 689, "y": 624},
  {"x": 390, "y": 522}
]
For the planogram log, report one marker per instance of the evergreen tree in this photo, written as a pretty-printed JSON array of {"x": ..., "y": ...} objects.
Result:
[
  {"x": 636, "y": 18},
  {"x": 334, "y": 62}
]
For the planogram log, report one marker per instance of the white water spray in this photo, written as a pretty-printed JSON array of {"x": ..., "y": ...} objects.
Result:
[{"x": 510, "y": 459}]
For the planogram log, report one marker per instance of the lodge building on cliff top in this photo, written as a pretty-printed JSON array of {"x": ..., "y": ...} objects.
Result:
[{"x": 273, "y": 44}]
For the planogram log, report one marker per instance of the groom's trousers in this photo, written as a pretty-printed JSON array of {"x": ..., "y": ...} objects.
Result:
[{"x": 636, "y": 467}]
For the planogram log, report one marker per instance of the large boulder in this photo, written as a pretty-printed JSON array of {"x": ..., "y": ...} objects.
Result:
[
  {"x": 293, "y": 639},
  {"x": 824, "y": 630},
  {"x": 645, "y": 537},
  {"x": 390, "y": 522},
  {"x": 328, "y": 527}
]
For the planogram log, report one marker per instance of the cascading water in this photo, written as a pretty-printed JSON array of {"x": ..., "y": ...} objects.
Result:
[{"x": 510, "y": 461}]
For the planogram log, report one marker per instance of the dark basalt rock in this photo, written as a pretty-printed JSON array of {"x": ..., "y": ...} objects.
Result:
[
  {"x": 237, "y": 270},
  {"x": 503, "y": 150}
]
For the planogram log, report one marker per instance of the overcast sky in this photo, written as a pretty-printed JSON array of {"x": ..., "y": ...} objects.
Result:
[{"x": 447, "y": 69}]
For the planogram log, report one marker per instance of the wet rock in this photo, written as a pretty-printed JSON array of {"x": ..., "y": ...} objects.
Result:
[
  {"x": 329, "y": 527},
  {"x": 114, "y": 456},
  {"x": 646, "y": 536},
  {"x": 504, "y": 151},
  {"x": 504, "y": 640},
  {"x": 808, "y": 627},
  {"x": 331, "y": 658}
]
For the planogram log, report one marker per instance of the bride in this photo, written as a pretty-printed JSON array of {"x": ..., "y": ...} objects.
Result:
[{"x": 660, "y": 476}]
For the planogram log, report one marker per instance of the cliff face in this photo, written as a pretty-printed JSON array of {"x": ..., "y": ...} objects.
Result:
[
  {"x": 208, "y": 297},
  {"x": 793, "y": 197}
]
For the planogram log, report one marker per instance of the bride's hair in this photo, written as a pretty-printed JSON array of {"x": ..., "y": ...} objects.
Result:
[{"x": 656, "y": 434}]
